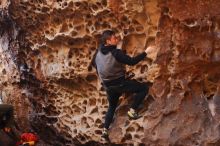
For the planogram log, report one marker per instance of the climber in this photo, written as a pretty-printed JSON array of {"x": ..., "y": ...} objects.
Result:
[
  {"x": 6, "y": 117},
  {"x": 7, "y": 129},
  {"x": 110, "y": 62}
]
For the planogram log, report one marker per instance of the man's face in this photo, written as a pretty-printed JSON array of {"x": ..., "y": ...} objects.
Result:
[{"x": 112, "y": 41}]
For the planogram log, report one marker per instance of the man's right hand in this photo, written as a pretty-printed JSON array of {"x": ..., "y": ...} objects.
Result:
[
  {"x": 150, "y": 49},
  {"x": 120, "y": 40}
]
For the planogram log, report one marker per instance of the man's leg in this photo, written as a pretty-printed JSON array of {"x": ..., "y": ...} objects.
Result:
[
  {"x": 140, "y": 95},
  {"x": 113, "y": 98},
  {"x": 140, "y": 90}
]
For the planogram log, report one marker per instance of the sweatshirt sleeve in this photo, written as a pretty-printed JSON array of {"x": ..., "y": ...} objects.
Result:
[{"x": 125, "y": 59}]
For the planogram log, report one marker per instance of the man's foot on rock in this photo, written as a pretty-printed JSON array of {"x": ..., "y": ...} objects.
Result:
[
  {"x": 133, "y": 115},
  {"x": 105, "y": 133}
]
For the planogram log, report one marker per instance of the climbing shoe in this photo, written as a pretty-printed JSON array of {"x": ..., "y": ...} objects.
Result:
[
  {"x": 105, "y": 133},
  {"x": 132, "y": 114}
]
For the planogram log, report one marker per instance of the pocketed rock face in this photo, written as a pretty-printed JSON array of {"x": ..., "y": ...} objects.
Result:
[
  {"x": 188, "y": 38},
  {"x": 47, "y": 47}
]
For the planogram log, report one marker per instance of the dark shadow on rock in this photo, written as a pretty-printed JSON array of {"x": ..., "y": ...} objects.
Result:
[{"x": 6, "y": 140}]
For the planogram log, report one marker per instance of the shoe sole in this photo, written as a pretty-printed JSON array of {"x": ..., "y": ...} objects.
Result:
[
  {"x": 106, "y": 138},
  {"x": 133, "y": 118}
]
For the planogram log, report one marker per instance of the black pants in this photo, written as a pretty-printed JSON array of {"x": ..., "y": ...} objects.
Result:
[
  {"x": 127, "y": 86},
  {"x": 6, "y": 115}
]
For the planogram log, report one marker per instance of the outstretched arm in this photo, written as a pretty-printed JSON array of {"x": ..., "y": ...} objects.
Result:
[{"x": 125, "y": 59}]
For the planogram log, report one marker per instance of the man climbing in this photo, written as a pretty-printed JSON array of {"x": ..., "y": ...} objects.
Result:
[
  {"x": 6, "y": 117},
  {"x": 110, "y": 65},
  {"x": 7, "y": 135}
]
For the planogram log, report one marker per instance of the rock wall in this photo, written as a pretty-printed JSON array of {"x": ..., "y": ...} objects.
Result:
[{"x": 46, "y": 48}]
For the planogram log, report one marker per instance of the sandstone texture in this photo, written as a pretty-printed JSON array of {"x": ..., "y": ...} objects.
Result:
[{"x": 46, "y": 47}]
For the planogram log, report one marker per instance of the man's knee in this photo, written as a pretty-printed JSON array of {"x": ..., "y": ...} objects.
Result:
[
  {"x": 112, "y": 107},
  {"x": 145, "y": 87}
]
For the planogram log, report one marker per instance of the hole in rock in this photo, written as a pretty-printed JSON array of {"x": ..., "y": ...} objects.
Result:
[
  {"x": 85, "y": 102},
  {"x": 99, "y": 132},
  {"x": 127, "y": 137},
  {"x": 52, "y": 120},
  {"x": 45, "y": 9},
  {"x": 95, "y": 110},
  {"x": 104, "y": 2},
  {"x": 165, "y": 10},
  {"x": 98, "y": 121},
  {"x": 82, "y": 138},
  {"x": 139, "y": 28},
  {"x": 143, "y": 69},
  {"x": 77, "y": 4},
  {"x": 136, "y": 136},
  {"x": 75, "y": 131},
  {"x": 91, "y": 78},
  {"x": 130, "y": 129},
  {"x": 154, "y": 133},
  {"x": 103, "y": 112},
  {"x": 95, "y": 7},
  {"x": 92, "y": 102},
  {"x": 141, "y": 144},
  {"x": 65, "y": 4},
  {"x": 4, "y": 71}
]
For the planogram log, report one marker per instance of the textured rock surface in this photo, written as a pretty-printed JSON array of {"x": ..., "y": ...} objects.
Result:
[{"x": 46, "y": 47}]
